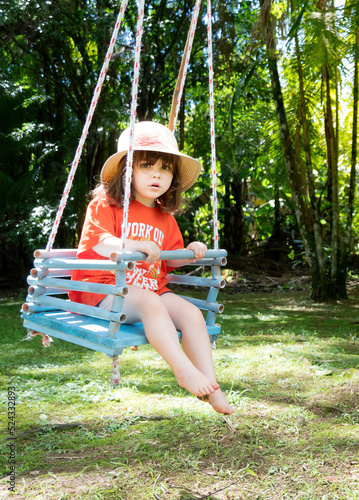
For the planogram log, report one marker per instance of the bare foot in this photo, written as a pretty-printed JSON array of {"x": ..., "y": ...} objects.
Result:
[
  {"x": 219, "y": 402},
  {"x": 195, "y": 382}
]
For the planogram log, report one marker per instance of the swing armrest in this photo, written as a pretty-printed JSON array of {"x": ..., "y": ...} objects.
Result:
[
  {"x": 74, "y": 263},
  {"x": 218, "y": 255},
  {"x": 67, "y": 257}
]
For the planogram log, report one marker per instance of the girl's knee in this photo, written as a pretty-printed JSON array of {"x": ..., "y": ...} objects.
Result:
[
  {"x": 141, "y": 304},
  {"x": 193, "y": 317},
  {"x": 154, "y": 301},
  {"x": 151, "y": 303}
]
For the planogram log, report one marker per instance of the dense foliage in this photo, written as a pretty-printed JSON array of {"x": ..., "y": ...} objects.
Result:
[
  {"x": 308, "y": 82},
  {"x": 286, "y": 156}
]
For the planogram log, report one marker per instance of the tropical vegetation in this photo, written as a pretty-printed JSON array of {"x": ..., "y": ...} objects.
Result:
[{"x": 286, "y": 91}]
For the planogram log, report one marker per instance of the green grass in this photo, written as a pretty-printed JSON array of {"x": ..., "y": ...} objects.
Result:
[{"x": 289, "y": 367}]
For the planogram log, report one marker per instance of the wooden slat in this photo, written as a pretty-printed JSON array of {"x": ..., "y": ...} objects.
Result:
[{"x": 90, "y": 332}]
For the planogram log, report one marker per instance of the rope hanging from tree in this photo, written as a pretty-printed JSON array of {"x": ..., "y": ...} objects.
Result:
[
  {"x": 128, "y": 175},
  {"x": 173, "y": 117},
  {"x": 86, "y": 127},
  {"x": 213, "y": 135},
  {"x": 177, "y": 96}
]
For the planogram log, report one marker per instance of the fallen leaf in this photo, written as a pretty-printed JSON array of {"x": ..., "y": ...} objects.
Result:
[
  {"x": 300, "y": 420},
  {"x": 332, "y": 479},
  {"x": 323, "y": 373}
]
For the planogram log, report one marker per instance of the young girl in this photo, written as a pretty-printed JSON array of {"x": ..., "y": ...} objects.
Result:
[{"x": 160, "y": 174}]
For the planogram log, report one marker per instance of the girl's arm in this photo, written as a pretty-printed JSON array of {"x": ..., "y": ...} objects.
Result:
[
  {"x": 112, "y": 244},
  {"x": 199, "y": 250}
]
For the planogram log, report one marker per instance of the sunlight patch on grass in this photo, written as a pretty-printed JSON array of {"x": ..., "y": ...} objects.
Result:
[{"x": 290, "y": 369}]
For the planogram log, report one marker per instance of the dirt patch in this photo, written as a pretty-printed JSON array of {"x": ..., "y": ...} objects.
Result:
[
  {"x": 340, "y": 399},
  {"x": 55, "y": 485},
  {"x": 243, "y": 282},
  {"x": 107, "y": 484}
]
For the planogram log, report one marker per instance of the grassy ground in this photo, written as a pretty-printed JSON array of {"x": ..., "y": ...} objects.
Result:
[{"x": 290, "y": 368}]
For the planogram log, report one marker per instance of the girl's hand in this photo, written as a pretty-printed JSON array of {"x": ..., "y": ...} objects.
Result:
[
  {"x": 149, "y": 247},
  {"x": 113, "y": 244},
  {"x": 198, "y": 248}
]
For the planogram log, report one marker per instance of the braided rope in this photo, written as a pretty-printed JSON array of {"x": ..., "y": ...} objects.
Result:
[
  {"x": 129, "y": 164},
  {"x": 213, "y": 140},
  {"x": 115, "y": 377},
  {"x": 128, "y": 175},
  {"x": 186, "y": 61},
  {"x": 85, "y": 130}
]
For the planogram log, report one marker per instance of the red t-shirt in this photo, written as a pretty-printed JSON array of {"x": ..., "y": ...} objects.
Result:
[{"x": 151, "y": 224}]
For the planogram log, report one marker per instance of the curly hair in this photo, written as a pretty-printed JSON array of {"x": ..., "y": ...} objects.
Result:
[{"x": 169, "y": 202}]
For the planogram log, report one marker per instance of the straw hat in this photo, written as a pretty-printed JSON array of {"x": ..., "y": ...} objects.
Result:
[{"x": 152, "y": 136}]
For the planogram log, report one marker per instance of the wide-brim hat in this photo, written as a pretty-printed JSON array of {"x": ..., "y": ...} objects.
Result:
[{"x": 152, "y": 136}]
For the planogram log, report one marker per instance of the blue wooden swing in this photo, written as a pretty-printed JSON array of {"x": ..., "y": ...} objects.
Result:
[
  {"x": 91, "y": 326},
  {"x": 47, "y": 314}
]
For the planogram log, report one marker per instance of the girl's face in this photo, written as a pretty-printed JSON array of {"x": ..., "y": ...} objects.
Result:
[{"x": 150, "y": 181}]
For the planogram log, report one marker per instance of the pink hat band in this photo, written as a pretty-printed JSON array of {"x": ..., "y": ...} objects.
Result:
[
  {"x": 152, "y": 136},
  {"x": 154, "y": 140}
]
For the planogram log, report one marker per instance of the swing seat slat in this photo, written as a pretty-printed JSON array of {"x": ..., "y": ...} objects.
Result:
[{"x": 91, "y": 332}]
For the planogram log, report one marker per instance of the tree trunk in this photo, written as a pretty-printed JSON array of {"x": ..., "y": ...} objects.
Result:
[
  {"x": 321, "y": 287},
  {"x": 318, "y": 240},
  {"x": 233, "y": 230},
  {"x": 333, "y": 169},
  {"x": 346, "y": 247}
]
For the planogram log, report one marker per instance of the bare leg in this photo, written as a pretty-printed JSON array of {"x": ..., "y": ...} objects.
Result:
[
  {"x": 143, "y": 305},
  {"x": 195, "y": 342}
]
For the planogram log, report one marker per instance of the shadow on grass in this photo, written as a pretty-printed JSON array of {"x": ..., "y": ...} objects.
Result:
[
  {"x": 287, "y": 323},
  {"x": 193, "y": 444},
  {"x": 275, "y": 360}
]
